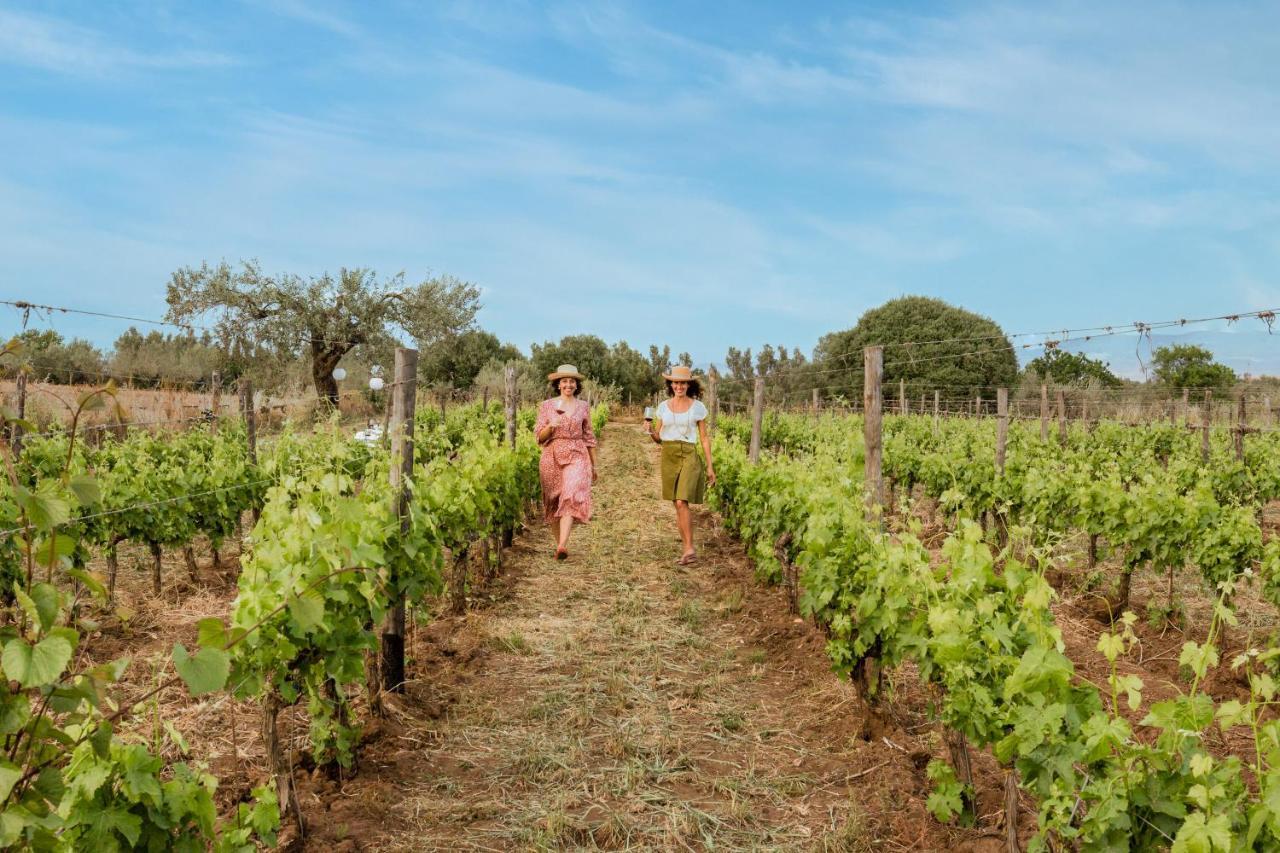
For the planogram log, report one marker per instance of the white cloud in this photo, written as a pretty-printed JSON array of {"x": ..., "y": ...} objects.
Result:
[{"x": 56, "y": 45}]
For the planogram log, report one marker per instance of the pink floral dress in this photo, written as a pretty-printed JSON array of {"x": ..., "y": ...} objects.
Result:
[{"x": 565, "y": 466}]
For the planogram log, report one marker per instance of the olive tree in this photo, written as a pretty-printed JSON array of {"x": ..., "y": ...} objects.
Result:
[
  {"x": 927, "y": 343},
  {"x": 321, "y": 317}
]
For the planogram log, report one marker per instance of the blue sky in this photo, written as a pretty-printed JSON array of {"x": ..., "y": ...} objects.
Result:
[{"x": 691, "y": 173}]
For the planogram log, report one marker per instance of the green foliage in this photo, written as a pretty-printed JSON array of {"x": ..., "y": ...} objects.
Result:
[
  {"x": 455, "y": 361},
  {"x": 1073, "y": 368},
  {"x": 977, "y": 624},
  {"x": 67, "y": 781},
  {"x": 151, "y": 359},
  {"x": 974, "y": 352},
  {"x": 1186, "y": 366},
  {"x": 321, "y": 317},
  {"x": 618, "y": 366}
]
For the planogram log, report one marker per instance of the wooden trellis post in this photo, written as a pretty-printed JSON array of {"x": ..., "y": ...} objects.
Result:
[
  {"x": 937, "y": 400},
  {"x": 757, "y": 421},
  {"x": 713, "y": 409},
  {"x": 814, "y": 404},
  {"x": 1062, "y": 416},
  {"x": 1186, "y": 405},
  {"x": 250, "y": 426},
  {"x": 1241, "y": 427},
  {"x": 902, "y": 396},
  {"x": 1002, "y": 426},
  {"x": 215, "y": 395},
  {"x": 1205, "y": 419},
  {"x": 16, "y": 434},
  {"x": 1044, "y": 412},
  {"x": 872, "y": 402},
  {"x": 404, "y": 393},
  {"x": 509, "y": 402}
]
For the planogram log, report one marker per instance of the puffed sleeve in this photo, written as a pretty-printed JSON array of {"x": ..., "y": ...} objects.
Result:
[
  {"x": 588, "y": 433},
  {"x": 699, "y": 411}
]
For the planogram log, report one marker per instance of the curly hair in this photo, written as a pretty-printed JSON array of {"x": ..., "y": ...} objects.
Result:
[
  {"x": 694, "y": 391},
  {"x": 555, "y": 386}
]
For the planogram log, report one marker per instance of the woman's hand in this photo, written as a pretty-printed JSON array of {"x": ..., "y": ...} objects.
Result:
[
  {"x": 711, "y": 476},
  {"x": 595, "y": 475}
]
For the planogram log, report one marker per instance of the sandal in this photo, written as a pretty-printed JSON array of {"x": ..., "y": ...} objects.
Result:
[
  {"x": 688, "y": 559},
  {"x": 562, "y": 554}
]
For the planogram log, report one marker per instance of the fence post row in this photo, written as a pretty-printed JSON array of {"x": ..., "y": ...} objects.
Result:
[
  {"x": 872, "y": 402},
  {"x": 404, "y": 394},
  {"x": 757, "y": 421},
  {"x": 1002, "y": 427}
]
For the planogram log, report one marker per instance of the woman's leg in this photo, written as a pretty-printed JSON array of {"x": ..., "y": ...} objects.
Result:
[
  {"x": 684, "y": 520},
  {"x": 566, "y": 525}
]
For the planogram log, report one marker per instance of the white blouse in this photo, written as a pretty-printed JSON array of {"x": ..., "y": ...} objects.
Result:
[{"x": 681, "y": 426}]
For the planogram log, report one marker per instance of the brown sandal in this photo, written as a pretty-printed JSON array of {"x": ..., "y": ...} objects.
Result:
[
  {"x": 562, "y": 554},
  {"x": 688, "y": 559}
]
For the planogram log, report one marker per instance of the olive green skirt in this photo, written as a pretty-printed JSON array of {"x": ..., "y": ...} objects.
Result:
[{"x": 684, "y": 474}]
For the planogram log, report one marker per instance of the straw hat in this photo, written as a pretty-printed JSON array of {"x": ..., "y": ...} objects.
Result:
[
  {"x": 680, "y": 373},
  {"x": 565, "y": 371}
]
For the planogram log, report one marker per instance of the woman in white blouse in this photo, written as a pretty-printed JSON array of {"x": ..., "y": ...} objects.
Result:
[{"x": 680, "y": 426}]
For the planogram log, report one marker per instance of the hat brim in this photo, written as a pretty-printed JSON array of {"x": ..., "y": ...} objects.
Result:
[
  {"x": 552, "y": 377},
  {"x": 670, "y": 378}
]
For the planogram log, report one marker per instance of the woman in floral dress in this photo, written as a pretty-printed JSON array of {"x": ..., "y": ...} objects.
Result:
[{"x": 568, "y": 464}]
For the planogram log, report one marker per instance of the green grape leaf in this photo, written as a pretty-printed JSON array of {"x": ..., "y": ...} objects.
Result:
[
  {"x": 85, "y": 488},
  {"x": 307, "y": 610},
  {"x": 205, "y": 671},
  {"x": 38, "y": 665},
  {"x": 9, "y": 775},
  {"x": 212, "y": 633},
  {"x": 92, "y": 581},
  {"x": 46, "y": 599}
]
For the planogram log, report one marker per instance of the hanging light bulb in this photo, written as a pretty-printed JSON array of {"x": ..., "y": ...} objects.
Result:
[
  {"x": 339, "y": 373},
  {"x": 375, "y": 383}
]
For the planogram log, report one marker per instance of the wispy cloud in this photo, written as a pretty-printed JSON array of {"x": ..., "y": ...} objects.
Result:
[{"x": 56, "y": 45}]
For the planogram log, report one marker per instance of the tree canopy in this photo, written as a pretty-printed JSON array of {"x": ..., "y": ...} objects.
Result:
[
  {"x": 456, "y": 360},
  {"x": 1073, "y": 368},
  {"x": 1187, "y": 366},
  {"x": 45, "y": 354},
  {"x": 620, "y": 366},
  {"x": 323, "y": 317},
  {"x": 926, "y": 341}
]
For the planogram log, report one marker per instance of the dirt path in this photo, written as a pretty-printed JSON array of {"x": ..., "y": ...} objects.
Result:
[{"x": 619, "y": 701}]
